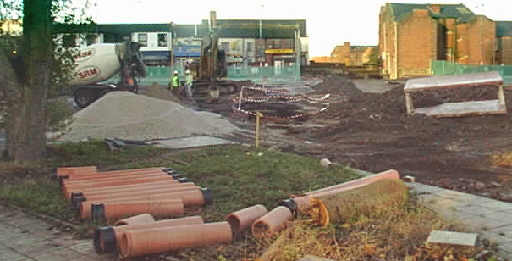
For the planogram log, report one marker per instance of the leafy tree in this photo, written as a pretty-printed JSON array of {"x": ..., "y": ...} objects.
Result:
[{"x": 32, "y": 66}]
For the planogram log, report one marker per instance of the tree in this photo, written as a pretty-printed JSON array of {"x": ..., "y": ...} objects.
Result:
[{"x": 26, "y": 77}]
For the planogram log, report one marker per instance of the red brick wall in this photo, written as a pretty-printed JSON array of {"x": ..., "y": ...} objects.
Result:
[
  {"x": 387, "y": 43},
  {"x": 505, "y": 50},
  {"x": 341, "y": 53},
  {"x": 417, "y": 44},
  {"x": 476, "y": 41}
]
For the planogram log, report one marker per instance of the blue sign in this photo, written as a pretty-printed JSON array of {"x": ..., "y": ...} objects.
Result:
[
  {"x": 155, "y": 55},
  {"x": 187, "y": 51}
]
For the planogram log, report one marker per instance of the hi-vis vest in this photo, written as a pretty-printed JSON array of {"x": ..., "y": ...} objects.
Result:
[{"x": 175, "y": 81}]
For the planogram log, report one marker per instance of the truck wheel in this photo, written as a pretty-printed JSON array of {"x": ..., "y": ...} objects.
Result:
[{"x": 83, "y": 97}]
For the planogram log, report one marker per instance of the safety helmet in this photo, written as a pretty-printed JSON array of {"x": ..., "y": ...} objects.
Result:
[
  {"x": 175, "y": 72},
  {"x": 187, "y": 72}
]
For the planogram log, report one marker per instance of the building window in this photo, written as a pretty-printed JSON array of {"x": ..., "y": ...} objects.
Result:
[
  {"x": 225, "y": 46},
  {"x": 143, "y": 39},
  {"x": 250, "y": 47},
  {"x": 162, "y": 40}
]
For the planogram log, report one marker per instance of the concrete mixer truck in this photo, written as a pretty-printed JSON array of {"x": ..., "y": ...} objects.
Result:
[{"x": 99, "y": 62}]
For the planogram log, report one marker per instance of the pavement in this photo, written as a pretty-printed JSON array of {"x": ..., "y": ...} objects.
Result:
[
  {"x": 490, "y": 218},
  {"x": 191, "y": 142},
  {"x": 373, "y": 86},
  {"x": 25, "y": 237}
]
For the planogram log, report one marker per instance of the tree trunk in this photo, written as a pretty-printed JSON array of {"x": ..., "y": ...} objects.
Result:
[{"x": 26, "y": 116}]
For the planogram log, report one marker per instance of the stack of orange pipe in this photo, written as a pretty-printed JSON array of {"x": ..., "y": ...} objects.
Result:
[
  {"x": 106, "y": 239},
  {"x": 109, "y": 195}
]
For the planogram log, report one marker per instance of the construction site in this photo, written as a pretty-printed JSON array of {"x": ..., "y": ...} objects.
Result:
[{"x": 212, "y": 151}]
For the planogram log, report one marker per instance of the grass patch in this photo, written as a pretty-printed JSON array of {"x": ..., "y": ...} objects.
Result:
[
  {"x": 39, "y": 195},
  {"x": 238, "y": 176},
  {"x": 97, "y": 153}
]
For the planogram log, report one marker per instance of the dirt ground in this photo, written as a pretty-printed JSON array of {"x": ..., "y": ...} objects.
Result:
[{"x": 371, "y": 131}]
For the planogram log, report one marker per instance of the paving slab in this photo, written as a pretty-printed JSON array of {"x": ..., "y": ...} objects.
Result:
[
  {"x": 372, "y": 86},
  {"x": 192, "y": 142},
  {"x": 452, "y": 238},
  {"x": 25, "y": 237},
  {"x": 314, "y": 258}
]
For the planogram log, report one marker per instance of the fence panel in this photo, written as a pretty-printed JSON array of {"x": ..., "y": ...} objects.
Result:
[
  {"x": 446, "y": 68},
  {"x": 161, "y": 75}
]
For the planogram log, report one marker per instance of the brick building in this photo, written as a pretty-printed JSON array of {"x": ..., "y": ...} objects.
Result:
[
  {"x": 352, "y": 55},
  {"x": 504, "y": 38},
  {"x": 412, "y": 35}
]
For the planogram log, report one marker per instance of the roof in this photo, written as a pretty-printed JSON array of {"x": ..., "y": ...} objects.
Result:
[
  {"x": 503, "y": 28},
  {"x": 228, "y": 28},
  {"x": 250, "y": 28},
  {"x": 460, "y": 12}
]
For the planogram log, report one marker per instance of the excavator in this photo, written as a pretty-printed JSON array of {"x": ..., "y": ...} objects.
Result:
[{"x": 99, "y": 62}]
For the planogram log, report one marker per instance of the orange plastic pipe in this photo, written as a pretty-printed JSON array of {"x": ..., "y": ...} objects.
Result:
[
  {"x": 111, "y": 211},
  {"x": 272, "y": 222},
  {"x": 78, "y": 172},
  {"x": 136, "y": 220},
  {"x": 106, "y": 174},
  {"x": 149, "y": 190},
  {"x": 109, "y": 188},
  {"x": 388, "y": 174},
  {"x": 70, "y": 188},
  {"x": 106, "y": 239},
  {"x": 153, "y": 173},
  {"x": 304, "y": 203},
  {"x": 193, "y": 197},
  {"x": 153, "y": 188},
  {"x": 151, "y": 241},
  {"x": 75, "y": 170},
  {"x": 189, "y": 198},
  {"x": 243, "y": 219}
]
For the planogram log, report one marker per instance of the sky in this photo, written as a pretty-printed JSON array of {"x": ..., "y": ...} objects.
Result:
[{"x": 329, "y": 22}]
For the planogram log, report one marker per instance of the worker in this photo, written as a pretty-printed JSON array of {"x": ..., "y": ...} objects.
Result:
[
  {"x": 188, "y": 83},
  {"x": 174, "y": 85}
]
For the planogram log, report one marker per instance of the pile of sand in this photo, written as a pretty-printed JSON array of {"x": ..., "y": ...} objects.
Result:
[{"x": 136, "y": 117}]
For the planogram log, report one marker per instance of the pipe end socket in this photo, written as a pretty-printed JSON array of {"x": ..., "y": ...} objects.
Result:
[
  {"x": 76, "y": 201},
  {"x": 207, "y": 195},
  {"x": 176, "y": 176},
  {"x": 105, "y": 240},
  {"x": 290, "y": 204},
  {"x": 183, "y": 180},
  {"x": 98, "y": 213}
]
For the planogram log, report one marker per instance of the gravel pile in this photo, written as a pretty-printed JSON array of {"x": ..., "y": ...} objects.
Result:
[{"x": 136, "y": 117}]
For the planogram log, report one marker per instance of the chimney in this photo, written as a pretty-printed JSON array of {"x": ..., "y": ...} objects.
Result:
[{"x": 435, "y": 8}]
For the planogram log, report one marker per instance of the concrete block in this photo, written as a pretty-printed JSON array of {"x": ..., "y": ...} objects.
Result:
[
  {"x": 452, "y": 238},
  {"x": 314, "y": 258}
]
